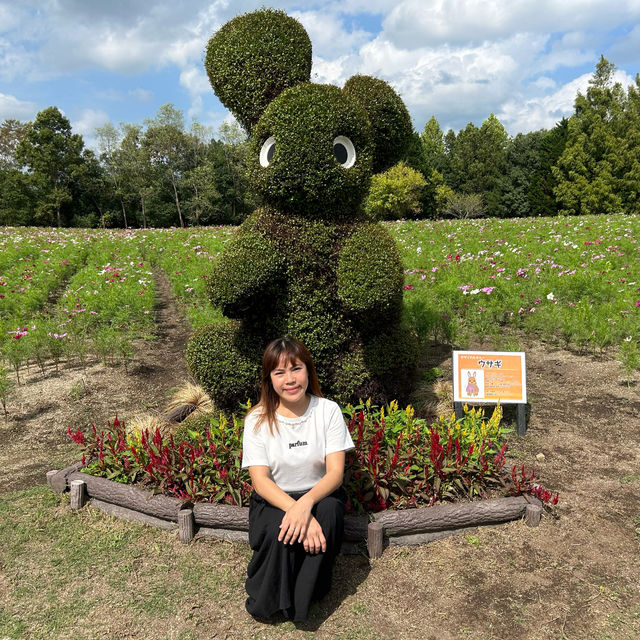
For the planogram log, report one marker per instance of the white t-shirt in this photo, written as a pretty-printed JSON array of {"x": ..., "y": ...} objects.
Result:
[{"x": 296, "y": 455}]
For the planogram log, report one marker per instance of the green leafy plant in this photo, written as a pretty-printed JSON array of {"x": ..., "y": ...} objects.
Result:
[
  {"x": 6, "y": 385},
  {"x": 401, "y": 462},
  {"x": 629, "y": 357},
  {"x": 398, "y": 462}
]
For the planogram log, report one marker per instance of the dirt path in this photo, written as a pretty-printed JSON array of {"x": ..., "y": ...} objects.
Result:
[{"x": 33, "y": 439}]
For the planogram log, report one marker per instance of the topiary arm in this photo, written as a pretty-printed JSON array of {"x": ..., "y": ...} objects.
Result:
[
  {"x": 369, "y": 273},
  {"x": 246, "y": 269}
]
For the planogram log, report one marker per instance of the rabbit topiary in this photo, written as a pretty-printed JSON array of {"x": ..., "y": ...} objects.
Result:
[{"x": 307, "y": 263}]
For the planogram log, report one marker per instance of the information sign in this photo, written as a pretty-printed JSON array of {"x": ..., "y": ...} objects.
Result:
[{"x": 489, "y": 377}]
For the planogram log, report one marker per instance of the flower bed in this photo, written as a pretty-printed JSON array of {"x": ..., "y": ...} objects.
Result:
[
  {"x": 398, "y": 465},
  {"x": 398, "y": 462}
]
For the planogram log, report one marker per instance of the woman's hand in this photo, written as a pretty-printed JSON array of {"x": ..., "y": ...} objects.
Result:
[
  {"x": 295, "y": 523},
  {"x": 314, "y": 541}
]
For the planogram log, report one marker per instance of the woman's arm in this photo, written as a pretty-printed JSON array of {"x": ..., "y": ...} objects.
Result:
[{"x": 297, "y": 518}]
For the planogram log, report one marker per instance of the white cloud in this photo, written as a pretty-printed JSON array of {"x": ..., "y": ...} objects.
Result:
[
  {"x": 329, "y": 37},
  {"x": 414, "y": 23},
  {"x": 457, "y": 83},
  {"x": 195, "y": 80},
  {"x": 458, "y": 59},
  {"x": 544, "y": 83},
  {"x": 12, "y": 107},
  {"x": 520, "y": 115},
  {"x": 86, "y": 125}
]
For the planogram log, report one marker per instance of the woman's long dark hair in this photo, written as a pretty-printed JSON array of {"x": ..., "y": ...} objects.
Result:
[{"x": 294, "y": 351}]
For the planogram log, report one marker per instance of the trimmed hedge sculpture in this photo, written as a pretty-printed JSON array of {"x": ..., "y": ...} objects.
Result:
[{"x": 307, "y": 263}]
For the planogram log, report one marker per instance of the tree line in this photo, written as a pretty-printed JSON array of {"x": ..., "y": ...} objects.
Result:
[
  {"x": 160, "y": 174},
  {"x": 154, "y": 175}
]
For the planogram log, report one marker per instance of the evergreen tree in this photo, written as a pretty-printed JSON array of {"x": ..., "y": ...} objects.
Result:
[
  {"x": 591, "y": 169},
  {"x": 477, "y": 161},
  {"x": 522, "y": 160},
  {"x": 542, "y": 199}
]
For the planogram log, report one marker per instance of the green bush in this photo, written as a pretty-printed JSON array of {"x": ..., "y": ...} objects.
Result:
[
  {"x": 253, "y": 57},
  {"x": 226, "y": 362},
  {"x": 399, "y": 461},
  {"x": 396, "y": 194},
  {"x": 304, "y": 178},
  {"x": 306, "y": 263},
  {"x": 389, "y": 118}
]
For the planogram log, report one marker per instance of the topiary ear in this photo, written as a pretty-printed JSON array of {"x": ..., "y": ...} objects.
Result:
[
  {"x": 390, "y": 120},
  {"x": 253, "y": 58}
]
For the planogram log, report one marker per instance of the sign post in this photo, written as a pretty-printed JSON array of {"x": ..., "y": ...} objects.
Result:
[{"x": 490, "y": 377}]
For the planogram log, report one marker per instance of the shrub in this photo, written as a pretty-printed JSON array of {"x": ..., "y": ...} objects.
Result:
[
  {"x": 225, "y": 362},
  {"x": 464, "y": 205},
  {"x": 390, "y": 120},
  {"x": 396, "y": 194},
  {"x": 400, "y": 462},
  {"x": 253, "y": 57},
  {"x": 304, "y": 178},
  {"x": 307, "y": 263}
]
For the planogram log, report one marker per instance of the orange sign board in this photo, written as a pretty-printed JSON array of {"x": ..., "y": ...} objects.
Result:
[{"x": 489, "y": 376}]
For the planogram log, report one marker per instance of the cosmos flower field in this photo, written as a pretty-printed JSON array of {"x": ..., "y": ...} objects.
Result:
[{"x": 574, "y": 281}]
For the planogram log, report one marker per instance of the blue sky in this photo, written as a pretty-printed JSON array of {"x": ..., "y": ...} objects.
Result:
[{"x": 460, "y": 60}]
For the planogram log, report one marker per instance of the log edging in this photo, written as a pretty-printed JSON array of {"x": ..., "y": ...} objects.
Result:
[{"x": 405, "y": 527}]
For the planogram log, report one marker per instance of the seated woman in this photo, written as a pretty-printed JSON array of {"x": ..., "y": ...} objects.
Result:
[{"x": 294, "y": 446}]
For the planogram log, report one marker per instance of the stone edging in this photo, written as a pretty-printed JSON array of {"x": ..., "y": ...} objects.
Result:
[{"x": 406, "y": 527}]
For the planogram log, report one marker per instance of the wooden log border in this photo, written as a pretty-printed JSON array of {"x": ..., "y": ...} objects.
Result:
[{"x": 405, "y": 527}]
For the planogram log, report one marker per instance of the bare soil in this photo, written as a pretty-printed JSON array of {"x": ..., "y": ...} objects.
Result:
[{"x": 576, "y": 576}]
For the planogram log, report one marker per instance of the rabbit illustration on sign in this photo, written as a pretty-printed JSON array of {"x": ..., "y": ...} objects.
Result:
[{"x": 472, "y": 386}]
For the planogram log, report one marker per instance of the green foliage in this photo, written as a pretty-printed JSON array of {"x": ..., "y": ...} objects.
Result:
[
  {"x": 396, "y": 194},
  {"x": 253, "y": 58},
  {"x": 462, "y": 205},
  {"x": 389, "y": 118},
  {"x": 478, "y": 163},
  {"x": 398, "y": 461},
  {"x": 522, "y": 161},
  {"x": 226, "y": 362},
  {"x": 432, "y": 140},
  {"x": 568, "y": 280},
  {"x": 304, "y": 264},
  {"x": 53, "y": 157},
  {"x": 401, "y": 462},
  {"x": 369, "y": 271},
  {"x": 246, "y": 271},
  {"x": 541, "y": 192},
  {"x": 599, "y": 168},
  {"x": 304, "y": 178},
  {"x": 629, "y": 357}
]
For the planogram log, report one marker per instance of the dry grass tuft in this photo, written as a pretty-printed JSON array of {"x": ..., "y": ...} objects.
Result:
[
  {"x": 136, "y": 425},
  {"x": 433, "y": 398},
  {"x": 189, "y": 400}
]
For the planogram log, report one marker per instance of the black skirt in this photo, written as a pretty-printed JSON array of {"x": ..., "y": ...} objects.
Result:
[{"x": 284, "y": 577}]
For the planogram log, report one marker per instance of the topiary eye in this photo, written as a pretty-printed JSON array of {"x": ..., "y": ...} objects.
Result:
[
  {"x": 267, "y": 151},
  {"x": 344, "y": 151}
]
